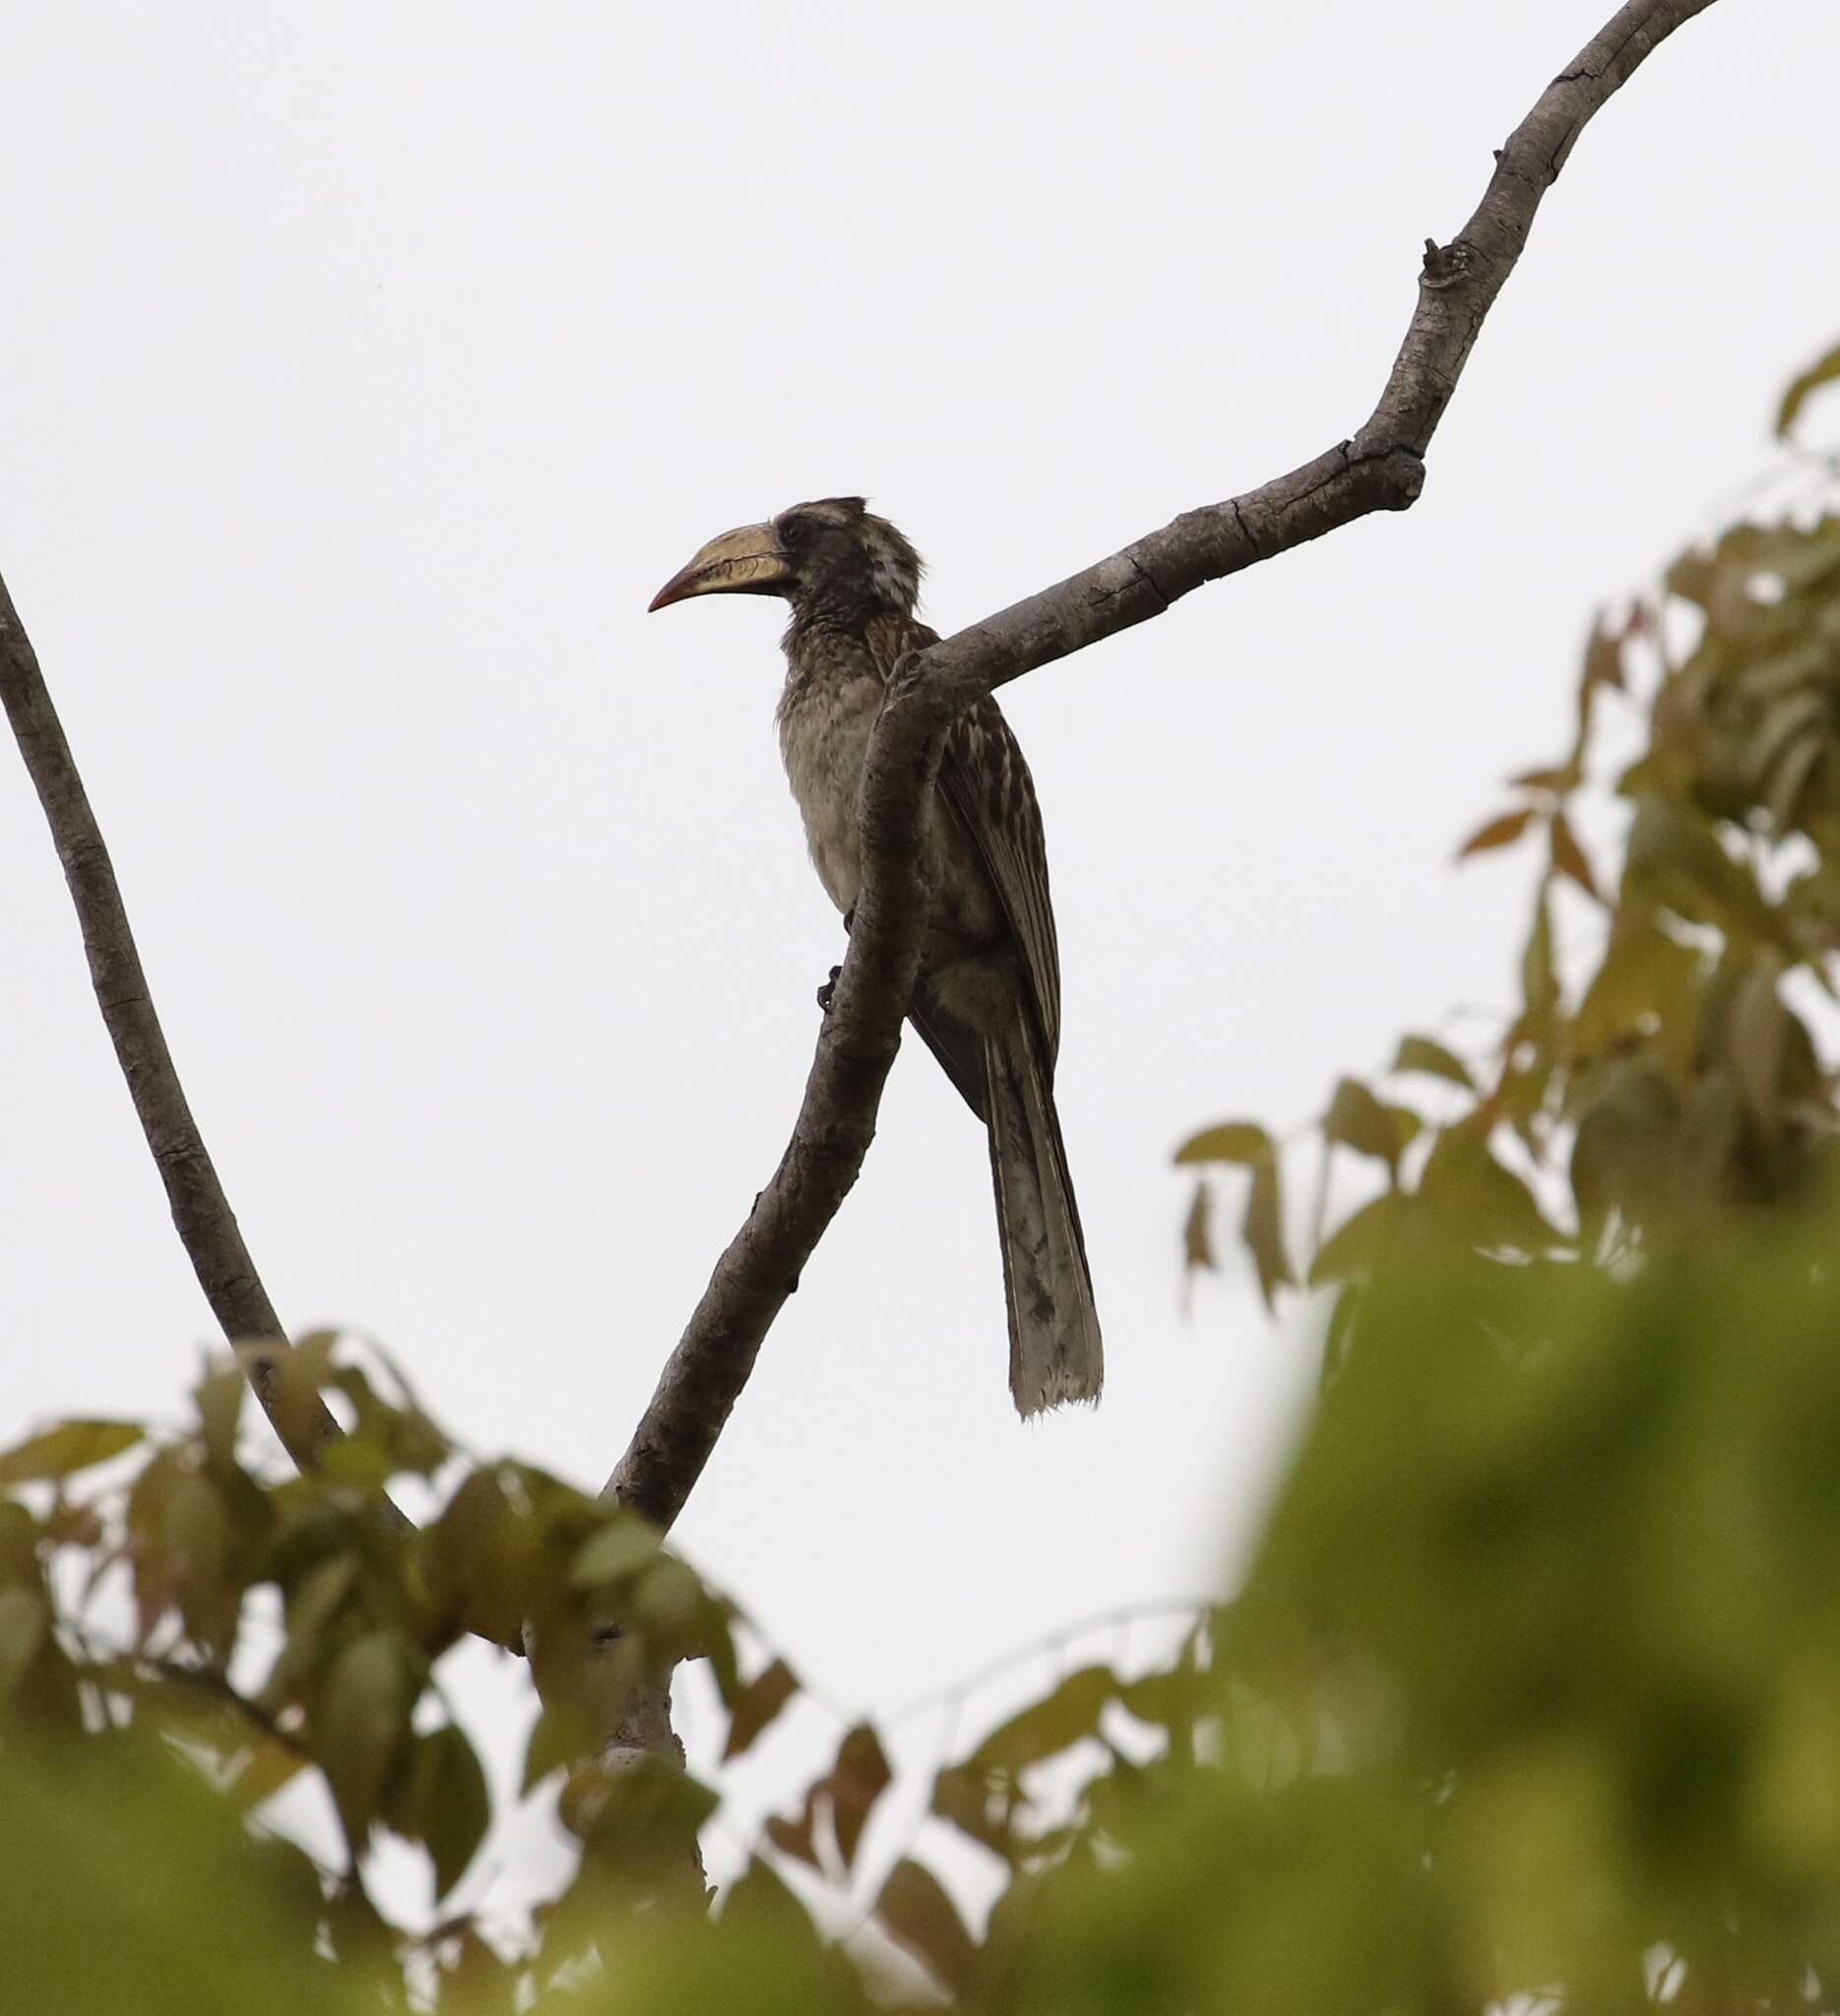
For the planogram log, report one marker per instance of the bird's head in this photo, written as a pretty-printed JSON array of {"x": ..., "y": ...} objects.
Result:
[{"x": 833, "y": 560}]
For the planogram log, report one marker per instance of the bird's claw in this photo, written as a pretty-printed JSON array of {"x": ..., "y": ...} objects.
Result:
[{"x": 827, "y": 993}]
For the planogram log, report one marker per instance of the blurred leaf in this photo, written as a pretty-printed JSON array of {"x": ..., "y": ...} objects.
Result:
[
  {"x": 640, "y": 1813},
  {"x": 1240, "y": 1141},
  {"x": 482, "y": 1559},
  {"x": 219, "y": 1396},
  {"x": 18, "y": 1545},
  {"x": 1756, "y": 1041},
  {"x": 1603, "y": 659},
  {"x": 1673, "y": 853},
  {"x": 1262, "y": 1229},
  {"x": 1568, "y": 857},
  {"x": 261, "y": 1768},
  {"x": 195, "y": 1533},
  {"x": 23, "y": 1619},
  {"x": 966, "y": 1798},
  {"x": 1365, "y": 1238},
  {"x": 1045, "y": 1728},
  {"x": 362, "y": 1727},
  {"x": 1197, "y": 1241},
  {"x": 793, "y": 1837},
  {"x": 1358, "y": 1120},
  {"x": 855, "y": 1783},
  {"x": 1623, "y": 1152},
  {"x": 667, "y": 1601},
  {"x": 1539, "y": 978},
  {"x": 1823, "y": 372},
  {"x": 1478, "y": 1200},
  {"x": 623, "y": 1546},
  {"x": 448, "y": 1804},
  {"x": 915, "y": 1907},
  {"x": 70, "y": 1446},
  {"x": 126, "y": 1884},
  {"x": 1502, "y": 831},
  {"x": 1559, "y": 779},
  {"x": 1423, "y": 1054},
  {"x": 1644, "y": 986},
  {"x": 558, "y": 1738},
  {"x": 756, "y": 1705}
]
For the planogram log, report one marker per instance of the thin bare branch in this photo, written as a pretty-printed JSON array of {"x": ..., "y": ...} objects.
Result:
[
  {"x": 205, "y": 1225},
  {"x": 1379, "y": 469}
]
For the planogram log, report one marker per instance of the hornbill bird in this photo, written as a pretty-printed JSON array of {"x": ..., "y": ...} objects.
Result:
[{"x": 987, "y": 1001}]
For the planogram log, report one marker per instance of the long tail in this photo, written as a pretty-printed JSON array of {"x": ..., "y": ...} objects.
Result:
[{"x": 1054, "y": 1349}]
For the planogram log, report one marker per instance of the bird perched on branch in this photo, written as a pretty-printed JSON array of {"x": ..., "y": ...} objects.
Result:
[{"x": 987, "y": 1001}]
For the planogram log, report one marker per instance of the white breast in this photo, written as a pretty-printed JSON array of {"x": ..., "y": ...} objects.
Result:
[{"x": 824, "y": 735}]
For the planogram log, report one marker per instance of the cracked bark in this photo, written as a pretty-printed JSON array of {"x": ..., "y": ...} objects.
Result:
[{"x": 1378, "y": 469}]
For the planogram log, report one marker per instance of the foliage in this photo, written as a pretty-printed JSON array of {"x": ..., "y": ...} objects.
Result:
[
  {"x": 1531, "y": 1697},
  {"x": 1662, "y": 1072}
]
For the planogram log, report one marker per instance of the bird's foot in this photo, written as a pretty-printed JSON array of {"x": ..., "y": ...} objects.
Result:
[
  {"x": 827, "y": 993},
  {"x": 849, "y": 917}
]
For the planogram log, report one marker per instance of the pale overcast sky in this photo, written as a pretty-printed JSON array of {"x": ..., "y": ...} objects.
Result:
[{"x": 364, "y": 371}]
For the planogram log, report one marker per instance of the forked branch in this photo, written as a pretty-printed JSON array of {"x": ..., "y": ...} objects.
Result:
[{"x": 1379, "y": 469}]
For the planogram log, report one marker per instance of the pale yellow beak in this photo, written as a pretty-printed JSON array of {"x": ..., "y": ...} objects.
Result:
[{"x": 746, "y": 562}]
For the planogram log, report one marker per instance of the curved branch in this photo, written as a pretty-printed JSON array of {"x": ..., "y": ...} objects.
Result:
[
  {"x": 1379, "y": 469},
  {"x": 201, "y": 1212}
]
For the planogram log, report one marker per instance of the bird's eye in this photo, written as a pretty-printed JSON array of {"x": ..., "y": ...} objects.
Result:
[{"x": 794, "y": 532}]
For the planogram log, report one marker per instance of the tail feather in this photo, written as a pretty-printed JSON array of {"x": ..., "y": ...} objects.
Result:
[{"x": 1055, "y": 1350}]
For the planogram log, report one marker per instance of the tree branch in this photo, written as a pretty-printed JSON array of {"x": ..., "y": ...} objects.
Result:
[
  {"x": 1381, "y": 468},
  {"x": 205, "y": 1225}
]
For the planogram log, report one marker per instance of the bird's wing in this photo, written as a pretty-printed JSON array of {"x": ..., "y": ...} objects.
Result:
[{"x": 987, "y": 788}]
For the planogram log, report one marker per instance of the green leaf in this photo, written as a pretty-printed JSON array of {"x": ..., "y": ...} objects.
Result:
[
  {"x": 1365, "y": 1238},
  {"x": 219, "y": 1396},
  {"x": 1358, "y": 1120},
  {"x": 310, "y": 1607},
  {"x": 260, "y": 1769},
  {"x": 1623, "y": 1154},
  {"x": 1262, "y": 1229},
  {"x": 757, "y": 1704},
  {"x": 1756, "y": 1038},
  {"x": 622, "y": 1547},
  {"x": 1644, "y": 986},
  {"x": 18, "y": 1545},
  {"x": 1047, "y": 1728},
  {"x": 1423, "y": 1054},
  {"x": 1823, "y": 372},
  {"x": 483, "y": 1559},
  {"x": 1539, "y": 980},
  {"x": 1240, "y": 1141},
  {"x": 363, "y": 1727},
  {"x": 1502, "y": 831},
  {"x": 640, "y": 1812},
  {"x": 969, "y": 1802},
  {"x": 70, "y": 1446},
  {"x": 1476, "y": 1198},
  {"x": 451, "y": 1805},
  {"x": 559, "y": 1738},
  {"x": 914, "y": 1905},
  {"x": 24, "y": 1619},
  {"x": 1674, "y": 857},
  {"x": 669, "y": 1601}
]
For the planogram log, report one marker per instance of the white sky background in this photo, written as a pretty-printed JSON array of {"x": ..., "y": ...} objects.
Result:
[{"x": 362, "y": 373}]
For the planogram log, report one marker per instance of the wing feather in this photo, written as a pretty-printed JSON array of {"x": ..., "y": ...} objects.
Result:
[{"x": 985, "y": 786}]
